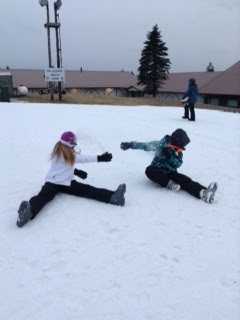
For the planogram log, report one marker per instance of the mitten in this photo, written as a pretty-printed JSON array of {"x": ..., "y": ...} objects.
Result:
[
  {"x": 166, "y": 153},
  {"x": 126, "y": 145},
  {"x": 105, "y": 157},
  {"x": 80, "y": 173}
]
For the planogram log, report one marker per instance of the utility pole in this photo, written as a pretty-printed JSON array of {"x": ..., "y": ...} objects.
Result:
[
  {"x": 58, "y": 48},
  {"x": 56, "y": 25},
  {"x": 49, "y": 49}
]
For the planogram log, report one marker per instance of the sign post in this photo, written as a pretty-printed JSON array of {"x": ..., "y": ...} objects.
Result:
[{"x": 55, "y": 75}]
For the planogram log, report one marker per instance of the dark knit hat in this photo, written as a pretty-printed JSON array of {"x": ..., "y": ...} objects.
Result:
[
  {"x": 180, "y": 138},
  {"x": 192, "y": 81}
]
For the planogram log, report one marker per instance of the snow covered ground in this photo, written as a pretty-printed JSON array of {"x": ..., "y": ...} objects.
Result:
[{"x": 164, "y": 256}]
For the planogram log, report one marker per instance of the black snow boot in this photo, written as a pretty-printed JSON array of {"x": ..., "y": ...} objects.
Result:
[
  {"x": 25, "y": 214},
  {"x": 118, "y": 197}
]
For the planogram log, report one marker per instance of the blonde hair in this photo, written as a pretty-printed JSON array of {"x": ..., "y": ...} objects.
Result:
[{"x": 62, "y": 151}]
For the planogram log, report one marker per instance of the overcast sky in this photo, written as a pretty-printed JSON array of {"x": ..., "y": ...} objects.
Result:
[{"x": 109, "y": 34}]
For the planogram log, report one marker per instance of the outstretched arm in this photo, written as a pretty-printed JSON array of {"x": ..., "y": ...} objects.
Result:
[
  {"x": 146, "y": 146},
  {"x": 105, "y": 157}
]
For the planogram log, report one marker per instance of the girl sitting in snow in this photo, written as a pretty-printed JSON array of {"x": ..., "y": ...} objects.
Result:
[
  {"x": 60, "y": 179},
  {"x": 168, "y": 157}
]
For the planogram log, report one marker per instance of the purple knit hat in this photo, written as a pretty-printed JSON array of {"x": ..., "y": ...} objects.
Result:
[{"x": 69, "y": 139}]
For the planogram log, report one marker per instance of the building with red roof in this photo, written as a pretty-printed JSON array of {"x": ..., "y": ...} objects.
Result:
[{"x": 215, "y": 88}]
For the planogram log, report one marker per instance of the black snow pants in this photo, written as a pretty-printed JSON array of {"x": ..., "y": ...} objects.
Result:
[
  {"x": 49, "y": 191},
  {"x": 192, "y": 111},
  {"x": 157, "y": 175}
]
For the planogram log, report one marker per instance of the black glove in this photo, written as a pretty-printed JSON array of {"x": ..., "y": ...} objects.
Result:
[
  {"x": 126, "y": 145},
  {"x": 166, "y": 153},
  {"x": 81, "y": 174},
  {"x": 105, "y": 157}
]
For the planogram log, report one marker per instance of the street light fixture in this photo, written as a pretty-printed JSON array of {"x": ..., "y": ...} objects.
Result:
[
  {"x": 56, "y": 25},
  {"x": 57, "y": 4},
  {"x": 43, "y": 3}
]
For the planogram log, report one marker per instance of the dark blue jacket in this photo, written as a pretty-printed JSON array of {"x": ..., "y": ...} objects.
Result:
[{"x": 192, "y": 93}]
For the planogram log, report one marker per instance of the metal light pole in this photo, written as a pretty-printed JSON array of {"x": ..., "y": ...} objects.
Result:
[
  {"x": 56, "y": 25},
  {"x": 42, "y": 4},
  {"x": 57, "y": 6}
]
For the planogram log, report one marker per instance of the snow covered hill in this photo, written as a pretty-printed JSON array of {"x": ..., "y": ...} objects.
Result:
[{"x": 164, "y": 256}]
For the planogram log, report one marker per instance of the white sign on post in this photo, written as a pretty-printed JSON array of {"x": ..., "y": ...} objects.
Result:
[{"x": 54, "y": 75}]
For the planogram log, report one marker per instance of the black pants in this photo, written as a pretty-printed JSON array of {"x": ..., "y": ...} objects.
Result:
[
  {"x": 49, "y": 191},
  {"x": 192, "y": 111},
  {"x": 157, "y": 175}
]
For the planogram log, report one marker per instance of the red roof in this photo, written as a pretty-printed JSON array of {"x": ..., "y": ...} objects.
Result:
[
  {"x": 226, "y": 83},
  {"x": 75, "y": 79},
  {"x": 178, "y": 82},
  {"x": 28, "y": 78},
  {"x": 220, "y": 83}
]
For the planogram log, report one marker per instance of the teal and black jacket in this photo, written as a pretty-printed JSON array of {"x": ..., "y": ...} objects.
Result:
[{"x": 160, "y": 161}]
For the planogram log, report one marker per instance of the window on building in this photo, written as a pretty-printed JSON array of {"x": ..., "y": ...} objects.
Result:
[
  {"x": 214, "y": 101},
  {"x": 232, "y": 103}
]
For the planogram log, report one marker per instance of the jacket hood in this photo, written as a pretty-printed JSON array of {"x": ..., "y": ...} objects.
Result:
[{"x": 179, "y": 138}]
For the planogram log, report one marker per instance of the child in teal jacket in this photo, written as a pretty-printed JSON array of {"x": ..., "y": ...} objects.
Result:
[{"x": 167, "y": 159}]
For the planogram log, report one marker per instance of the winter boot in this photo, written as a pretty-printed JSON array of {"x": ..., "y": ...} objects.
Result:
[
  {"x": 186, "y": 111},
  {"x": 118, "y": 197},
  {"x": 207, "y": 195},
  {"x": 173, "y": 186},
  {"x": 25, "y": 214}
]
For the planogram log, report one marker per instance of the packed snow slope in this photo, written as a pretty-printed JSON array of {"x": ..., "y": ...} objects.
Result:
[{"x": 164, "y": 256}]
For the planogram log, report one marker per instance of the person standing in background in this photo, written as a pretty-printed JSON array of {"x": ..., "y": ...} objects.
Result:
[{"x": 191, "y": 95}]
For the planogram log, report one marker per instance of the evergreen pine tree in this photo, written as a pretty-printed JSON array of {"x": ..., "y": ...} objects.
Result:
[{"x": 154, "y": 64}]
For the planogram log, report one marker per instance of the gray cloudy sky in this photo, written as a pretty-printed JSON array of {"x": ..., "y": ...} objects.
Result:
[{"x": 109, "y": 34}]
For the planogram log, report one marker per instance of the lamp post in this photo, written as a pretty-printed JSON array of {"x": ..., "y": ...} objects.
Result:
[
  {"x": 57, "y": 5},
  {"x": 56, "y": 25}
]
